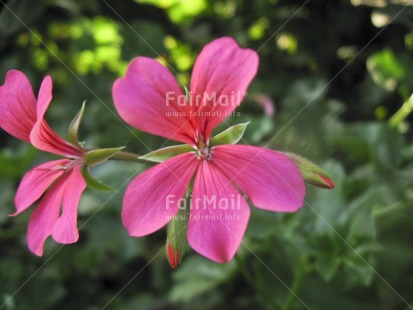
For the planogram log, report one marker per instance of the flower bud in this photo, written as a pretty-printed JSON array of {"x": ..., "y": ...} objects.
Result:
[
  {"x": 174, "y": 256},
  {"x": 311, "y": 173},
  {"x": 176, "y": 232}
]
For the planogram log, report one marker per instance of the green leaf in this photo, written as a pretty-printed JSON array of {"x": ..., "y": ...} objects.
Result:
[
  {"x": 386, "y": 69},
  {"x": 359, "y": 271},
  {"x": 311, "y": 173},
  {"x": 99, "y": 156},
  {"x": 230, "y": 136},
  {"x": 327, "y": 266},
  {"x": 161, "y": 155},
  {"x": 74, "y": 127},
  {"x": 199, "y": 276},
  {"x": 374, "y": 142},
  {"x": 94, "y": 183}
]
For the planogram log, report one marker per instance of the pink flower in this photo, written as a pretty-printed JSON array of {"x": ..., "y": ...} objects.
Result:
[
  {"x": 149, "y": 98},
  {"x": 21, "y": 115}
]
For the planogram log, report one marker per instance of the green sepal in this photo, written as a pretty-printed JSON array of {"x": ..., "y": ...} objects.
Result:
[
  {"x": 99, "y": 156},
  {"x": 95, "y": 184},
  {"x": 161, "y": 155},
  {"x": 230, "y": 136},
  {"x": 74, "y": 127},
  {"x": 311, "y": 172},
  {"x": 176, "y": 233},
  {"x": 187, "y": 94}
]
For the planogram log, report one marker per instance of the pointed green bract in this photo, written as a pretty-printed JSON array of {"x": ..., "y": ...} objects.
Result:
[
  {"x": 187, "y": 94},
  {"x": 230, "y": 136},
  {"x": 94, "y": 183},
  {"x": 161, "y": 155},
  {"x": 176, "y": 234},
  {"x": 99, "y": 156},
  {"x": 311, "y": 172},
  {"x": 74, "y": 127}
]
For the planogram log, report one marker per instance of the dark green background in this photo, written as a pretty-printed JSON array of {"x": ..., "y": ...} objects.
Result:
[{"x": 338, "y": 73}]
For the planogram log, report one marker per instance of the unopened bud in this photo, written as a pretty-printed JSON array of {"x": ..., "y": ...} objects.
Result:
[
  {"x": 176, "y": 234},
  {"x": 174, "y": 256},
  {"x": 311, "y": 173}
]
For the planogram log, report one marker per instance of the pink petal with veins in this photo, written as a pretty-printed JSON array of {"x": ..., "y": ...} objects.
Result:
[
  {"x": 65, "y": 230},
  {"x": 153, "y": 197},
  {"x": 45, "y": 216},
  {"x": 17, "y": 105},
  {"x": 36, "y": 181},
  {"x": 221, "y": 76},
  {"x": 42, "y": 136},
  {"x": 45, "y": 139},
  {"x": 149, "y": 98},
  {"x": 269, "y": 179},
  {"x": 219, "y": 215}
]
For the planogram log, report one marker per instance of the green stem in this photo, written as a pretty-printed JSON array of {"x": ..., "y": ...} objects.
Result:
[
  {"x": 295, "y": 287},
  {"x": 127, "y": 156},
  {"x": 402, "y": 113}
]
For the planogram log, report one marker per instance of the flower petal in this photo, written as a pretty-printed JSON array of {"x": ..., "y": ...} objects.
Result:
[
  {"x": 36, "y": 182},
  {"x": 270, "y": 179},
  {"x": 149, "y": 98},
  {"x": 219, "y": 81},
  {"x": 219, "y": 215},
  {"x": 45, "y": 216},
  {"x": 153, "y": 197},
  {"x": 17, "y": 105},
  {"x": 45, "y": 96},
  {"x": 45, "y": 139},
  {"x": 42, "y": 136},
  {"x": 65, "y": 230}
]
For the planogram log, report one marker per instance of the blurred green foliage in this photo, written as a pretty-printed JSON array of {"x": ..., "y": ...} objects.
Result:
[{"x": 339, "y": 73}]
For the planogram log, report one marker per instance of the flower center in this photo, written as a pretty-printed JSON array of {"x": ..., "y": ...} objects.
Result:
[
  {"x": 203, "y": 152},
  {"x": 67, "y": 166}
]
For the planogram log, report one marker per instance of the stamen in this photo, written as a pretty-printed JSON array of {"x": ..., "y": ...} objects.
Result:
[{"x": 203, "y": 153}]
